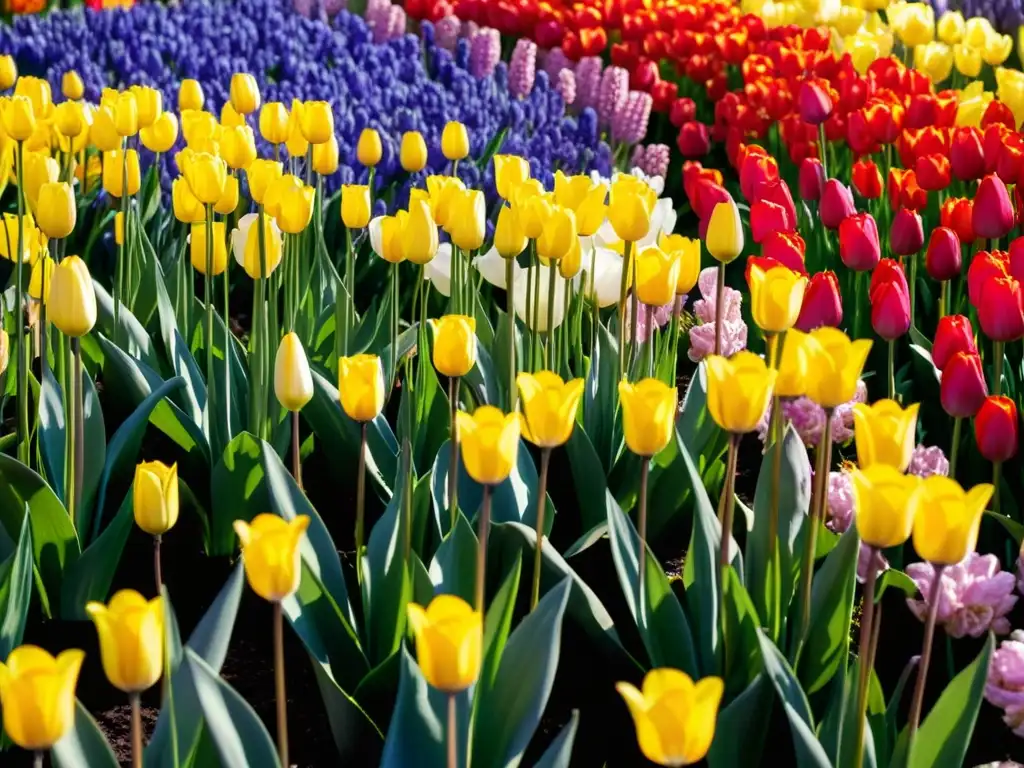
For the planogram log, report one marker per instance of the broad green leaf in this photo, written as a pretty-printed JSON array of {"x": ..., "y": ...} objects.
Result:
[
  {"x": 95, "y": 441},
  {"x": 16, "y": 592},
  {"x": 695, "y": 424},
  {"x": 601, "y": 398},
  {"x": 742, "y": 651},
  {"x": 747, "y": 714},
  {"x": 559, "y": 752},
  {"x": 83, "y": 745},
  {"x": 1014, "y": 528},
  {"x": 482, "y": 379},
  {"x": 433, "y": 420},
  {"x": 588, "y": 477},
  {"x": 351, "y": 727},
  {"x": 497, "y": 626},
  {"x": 453, "y": 569},
  {"x": 130, "y": 335},
  {"x": 51, "y": 433},
  {"x": 893, "y": 578},
  {"x": 239, "y": 491}
]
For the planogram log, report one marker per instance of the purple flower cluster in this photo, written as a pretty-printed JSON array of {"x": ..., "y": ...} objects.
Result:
[
  {"x": 407, "y": 83},
  {"x": 1006, "y": 15},
  {"x": 975, "y": 595},
  {"x": 1005, "y": 685}
]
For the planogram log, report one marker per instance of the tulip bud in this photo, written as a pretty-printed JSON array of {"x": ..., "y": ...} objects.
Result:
[
  {"x": 274, "y": 122},
  {"x": 190, "y": 95},
  {"x": 455, "y": 141},
  {"x": 815, "y": 102},
  {"x": 1001, "y": 310},
  {"x": 41, "y": 279},
  {"x": 882, "y": 497},
  {"x": 119, "y": 228},
  {"x": 966, "y": 154},
  {"x": 724, "y": 239},
  {"x": 867, "y": 179},
  {"x": 71, "y": 85},
  {"x": 317, "y": 122},
  {"x": 449, "y": 642},
  {"x": 131, "y": 632},
  {"x": 8, "y": 72},
  {"x": 455, "y": 345},
  {"x": 836, "y": 203},
  {"x": 693, "y": 140},
  {"x": 509, "y": 172},
  {"x": 56, "y": 213},
  {"x": 419, "y": 236},
  {"x": 490, "y": 443},
  {"x": 907, "y": 233},
  {"x": 509, "y": 238},
  {"x": 18, "y": 117},
  {"x": 995, "y": 429},
  {"x": 962, "y": 389},
  {"x": 290, "y": 202},
  {"x": 812, "y": 179},
  {"x": 293, "y": 382},
  {"x": 885, "y": 434},
  {"x": 942, "y": 260},
  {"x": 787, "y": 248},
  {"x": 766, "y": 218},
  {"x": 369, "y": 149},
  {"x": 355, "y": 205},
  {"x": 776, "y": 297},
  {"x": 72, "y": 301},
  {"x": 648, "y": 415},
  {"x": 229, "y": 199},
  {"x": 822, "y": 305},
  {"x": 161, "y": 134},
  {"x": 205, "y": 174},
  {"x": 413, "y": 152},
  {"x": 890, "y": 308},
  {"x": 270, "y": 551},
  {"x": 238, "y": 147},
  {"x": 993, "y": 216},
  {"x": 859, "y": 247},
  {"x": 126, "y": 114},
  {"x": 245, "y": 93},
  {"x": 325, "y": 157},
  {"x": 38, "y": 693},
  {"x": 361, "y": 386},
  {"x": 957, "y": 213},
  {"x": 953, "y": 334},
  {"x": 155, "y": 497},
  {"x": 245, "y": 242},
  {"x": 261, "y": 175},
  {"x": 468, "y": 226},
  {"x": 69, "y": 118},
  {"x": 657, "y": 273},
  {"x": 197, "y": 249}
]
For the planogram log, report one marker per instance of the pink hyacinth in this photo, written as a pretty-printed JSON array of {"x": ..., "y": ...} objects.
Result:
[
  {"x": 636, "y": 160},
  {"x": 334, "y": 7},
  {"x": 566, "y": 86},
  {"x": 1005, "y": 685},
  {"x": 1020, "y": 571},
  {"x": 630, "y": 122},
  {"x": 840, "y": 516},
  {"x": 734, "y": 330},
  {"x": 808, "y": 418},
  {"x": 484, "y": 52},
  {"x": 656, "y": 160},
  {"x": 396, "y": 22},
  {"x": 661, "y": 316},
  {"x": 522, "y": 68},
  {"x": 588, "y": 82},
  {"x": 446, "y": 32},
  {"x": 554, "y": 62},
  {"x": 926, "y": 461},
  {"x": 974, "y": 595},
  {"x": 378, "y": 13},
  {"x": 613, "y": 95}
]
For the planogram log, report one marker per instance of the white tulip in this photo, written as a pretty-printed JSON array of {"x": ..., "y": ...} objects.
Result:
[
  {"x": 543, "y": 274},
  {"x": 439, "y": 269},
  {"x": 240, "y": 234},
  {"x": 491, "y": 267}
]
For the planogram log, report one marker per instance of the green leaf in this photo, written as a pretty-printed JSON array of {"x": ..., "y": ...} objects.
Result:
[
  {"x": 559, "y": 752},
  {"x": 242, "y": 740},
  {"x": 483, "y": 379},
  {"x": 893, "y": 578},
  {"x": 433, "y": 419},
  {"x": 1014, "y": 528},
  {"x": 239, "y": 491},
  {"x": 51, "y": 431},
  {"x": 348, "y": 721},
  {"x": 601, "y": 398},
  {"x": 497, "y": 625},
  {"x": 95, "y": 441},
  {"x": 131, "y": 336},
  {"x": 453, "y": 569},
  {"x": 828, "y": 636},
  {"x": 588, "y": 477},
  {"x": 16, "y": 592},
  {"x": 515, "y": 704},
  {"x": 747, "y": 714},
  {"x": 83, "y": 744},
  {"x": 696, "y": 426},
  {"x": 742, "y": 651}
]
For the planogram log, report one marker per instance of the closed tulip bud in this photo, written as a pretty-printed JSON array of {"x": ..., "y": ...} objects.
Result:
[
  {"x": 355, "y": 205},
  {"x": 238, "y": 146},
  {"x": 812, "y": 179},
  {"x": 361, "y": 386},
  {"x": 296, "y": 143},
  {"x": 648, "y": 415},
  {"x": 187, "y": 209},
  {"x": 885, "y": 433},
  {"x": 995, "y": 429},
  {"x": 325, "y": 157},
  {"x": 859, "y": 247},
  {"x": 18, "y": 117},
  {"x": 630, "y": 207},
  {"x": 149, "y": 103},
  {"x": 69, "y": 118},
  {"x": 197, "y": 248},
  {"x": 907, "y": 233},
  {"x": 40, "y": 169},
  {"x": 41, "y": 279},
  {"x": 942, "y": 260},
  {"x": 950, "y": 27},
  {"x": 386, "y": 237},
  {"x": 815, "y": 102},
  {"x": 1001, "y": 310},
  {"x": 413, "y": 153},
  {"x": 993, "y": 211},
  {"x": 739, "y": 390},
  {"x": 126, "y": 114},
  {"x": 455, "y": 141},
  {"x": 454, "y": 345},
  {"x": 984, "y": 266},
  {"x": 836, "y": 204},
  {"x": 883, "y": 504},
  {"x": 270, "y": 551},
  {"x": 206, "y": 174},
  {"x": 693, "y": 139},
  {"x": 37, "y": 692},
  {"x": 160, "y": 135},
  {"x": 559, "y": 234},
  {"x": 245, "y": 93},
  {"x": 419, "y": 235},
  {"x": 293, "y": 382},
  {"x": 767, "y": 218},
  {"x": 229, "y": 199},
  {"x": 274, "y": 122},
  {"x": 776, "y": 297},
  {"x": 8, "y": 72},
  {"x": 317, "y": 122},
  {"x": 229, "y": 118},
  {"x": 509, "y": 172},
  {"x": 890, "y": 309},
  {"x": 190, "y": 95},
  {"x": 823, "y": 304},
  {"x": 490, "y": 443},
  {"x": 933, "y": 172},
  {"x": 468, "y": 223},
  {"x": 72, "y": 302},
  {"x": 103, "y": 133},
  {"x": 155, "y": 497},
  {"x": 37, "y": 90},
  {"x": 953, "y": 334},
  {"x": 532, "y": 208},
  {"x": 509, "y": 238},
  {"x": 967, "y": 60},
  {"x": 449, "y": 642},
  {"x": 835, "y": 364},
  {"x": 245, "y": 242},
  {"x": 570, "y": 265},
  {"x": 369, "y": 149},
  {"x": 867, "y": 180},
  {"x": 962, "y": 389},
  {"x": 792, "y": 367},
  {"x": 787, "y": 248},
  {"x": 290, "y": 202},
  {"x": 131, "y": 632},
  {"x": 56, "y": 213},
  {"x": 724, "y": 239},
  {"x": 947, "y": 519},
  {"x": 657, "y": 275},
  {"x": 674, "y": 717},
  {"x": 261, "y": 175},
  {"x": 71, "y": 85}
]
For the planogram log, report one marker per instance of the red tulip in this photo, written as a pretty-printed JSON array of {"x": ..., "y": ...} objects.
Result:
[
  {"x": 904, "y": 191},
  {"x": 708, "y": 195},
  {"x": 1010, "y": 159},
  {"x": 693, "y": 139},
  {"x": 933, "y": 172},
  {"x": 885, "y": 120},
  {"x": 984, "y": 266},
  {"x": 815, "y": 102},
  {"x": 998, "y": 112},
  {"x": 890, "y": 308},
  {"x": 957, "y": 213},
  {"x": 995, "y": 428},
  {"x": 777, "y": 192},
  {"x": 962, "y": 389},
  {"x": 993, "y": 212},
  {"x": 755, "y": 168},
  {"x": 683, "y": 110},
  {"x": 787, "y": 248},
  {"x": 823, "y": 305},
  {"x": 992, "y": 139},
  {"x": 867, "y": 179},
  {"x": 812, "y": 179},
  {"x": 1016, "y": 261},
  {"x": 663, "y": 95},
  {"x": 859, "y": 246},
  {"x": 966, "y": 154},
  {"x": 942, "y": 259},
  {"x": 906, "y": 236},
  {"x": 1001, "y": 312},
  {"x": 953, "y": 334},
  {"x": 836, "y": 203},
  {"x": 765, "y": 218}
]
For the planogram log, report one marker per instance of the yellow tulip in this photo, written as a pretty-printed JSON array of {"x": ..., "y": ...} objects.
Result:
[
  {"x": 40, "y": 169},
  {"x": 103, "y": 133},
  {"x": 290, "y": 202},
  {"x": 657, "y": 274},
  {"x": 9, "y": 238},
  {"x": 591, "y": 210},
  {"x": 199, "y": 128},
  {"x": 229, "y": 199},
  {"x": 119, "y": 227},
  {"x": 977, "y": 31},
  {"x": 205, "y": 174},
  {"x": 848, "y": 20},
  {"x": 443, "y": 194},
  {"x": 490, "y": 443},
  {"x": 532, "y": 207},
  {"x": 739, "y": 390},
  {"x": 559, "y": 234},
  {"x": 386, "y": 237},
  {"x": 270, "y": 551},
  {"x": 687, "y": 251},
  {"x": 455, "y": 141},
  {"x": 648, "y": 415},
  {"x": 261, "y": 175},
  {"x": 369, "y": 149},
  {"x": 791, "y": 380},
  {"x": 274, "y": 122},
  {"x": 155, "y": 497},
  {"x": 56, "y": 213},
  {"x": 150, "y": 104},
  {"x": 674, "y": 717},
  {"x": 997, "y": 49},
  {"x": 549, "y": 407},
  {"x": 509, "y": 238},
  {"x": 131, "y": 632},
  {"x": 272, "y": 247},
  {"x": 509, "y": 172},
  {"x": 915, "y": 25},
  {"x": 468, "y": 220},
  {"x": 293, "y": 383},
  {"x": 776, "y": 296},
  {"x": 37, "y": 692},
  {"x": 454, "y": 344},
  {"x": 72, "y": 301},
  {"x": 238, "y": 146},
  {"x": 885, "y": 433},
  {"x": 571, "y": 191},
  {"x": 229, "y": 118},
  {"x": 419, "y": 235},
  {"x": 413, "y": 153},
  {"x": 190, "y": 95},
  {"x": 41, "y": 279},
  {"x": 187, "y": 208},
  {"x": 724, "y": 238},
  {"x": 950, "y": 27},
  {"x": 449, "y": 642},
  {"x": 570, "y": 265},
  {"x": 5, "y": 350},
  {"x": 935, "y": 60},
  {"x": 161, "y": 134},
  {"x": 946, "y": 519},
  {"x": 630, "y": 206},
  {"x": 317, "y": 122},
  {"x": 296, "y": 142},
  {"x": 69, "y": 117},
  {"x": 126, "y": 114},
  {"x": 361, "y": 386},
  {"x": 355, "y": 205},
  {"x": 197, "y": 248},
  {"x": 834, "y": 366},
  {"x": 37, "y": 90},
  {"x": 245, "y": 94},
  {"x": 8, "y": 72},
  {"x": 882, "y": 500},
  {"x": 325, "y": 157},
  {"x": 18, "y": 117}
]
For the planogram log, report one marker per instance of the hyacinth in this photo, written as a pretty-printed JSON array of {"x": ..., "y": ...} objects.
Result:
[
  {"x": 588, "y": 82},
  {"x": 661, "y": 316},
  {"x": 630, "y": 122},
  {"x": 1006, "y": 15},
  {"x": 566, "y": 86},
  {"x": 522, "y": 68},
  {"x": 446, "y": 32},
  {"x": 652, "y": 160},
  {"x": 974, "y": 596},
  {"x": 554, "y": 62},
  {"x": 1004, "y": 687},
  {"x": 484, "y": 52},
  {"x": 839, "y": 518},
  {"x": 808, "y": 418},
  {"x": 613, "y": 94},
  {"x": 734, "y": 330},
  {"x": 384, "y": 18},
  {"x": 926, "y": 461}
]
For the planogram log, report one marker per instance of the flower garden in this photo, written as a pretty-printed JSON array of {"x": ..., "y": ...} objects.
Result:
[{"x": 460, "y": 382}]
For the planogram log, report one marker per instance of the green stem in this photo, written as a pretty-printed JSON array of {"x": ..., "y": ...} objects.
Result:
[
  {"x": 530, "y": 274},
  {"x": 917, "y": 702},
  {"x": 650, "y": 340},
  {"x": 79, "y": 472},
  {"x": 542, "y": 495},
  {"x": 227, "y": 348},
  {"x": 719, "y": 302},
  {"x": 997, "y": 367},
  {"x": 954, "y": 448},
  {"x": 207, "y": 299},
  {"x": 510, "y": 276},
  {"x": 453, "y": 462},
  {"x": 280, "y": 697},
  {"x": 552, "y": 276},
  {"x": 21, "y": 347},
  {"x": 892, "y": 369},
  {"x": 864, "y": 678},
  {"x": 623, "y": 285},
  {"x": 484, "y": 526},
  {"x": 824, "y": 459},
  {"x": 821, "y": 146},
  {"x": 634, "y": 341},
  {"x": 393, "y": 322},
  {"x": 360, "y": 501}
]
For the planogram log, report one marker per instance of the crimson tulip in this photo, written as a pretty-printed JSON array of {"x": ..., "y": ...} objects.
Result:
[
  {"x": 1016, "y": 260},
  {"x": 962, "y": 389},
  {"x": 815, "y": 101},
  {"x": 777, "y": 192},
  {"x": 867, "y": 179},
  {"x": 993, "y": 212},
  {"x": 683, "y": 110},
  {"x": 765, "y": 218},
  {"x": 812, "y": 179},
  {"x": 906, "y": 235},
  {"x": 966, "y": 154},
  {"x": 942, "y": 259},
  {"x": 984, "y": 266},
  {"x": 958, "y": 213},
  {"x": 995, "y": 428},
  {"x": 953, "y": 334},
  {"x": 933, "y": 172},
  {"x": 890, "y": 308},
  {"x": 859, "y": 246},
  {"x": 836, "y": 203},
  {"x": 1001, "y": 312},
  {"x": 693, "y": 139},
  {"x": 823, "y": 304},
  {"x": 787, "y": 248}
]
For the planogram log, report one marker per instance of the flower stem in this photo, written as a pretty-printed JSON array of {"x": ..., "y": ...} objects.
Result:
[
  {"x": 997, "y": 367},
  {"x": 917, "y": 702},
  {"x": 481, "y": 552},
  {"x": 954, "y": 448},
  {"x": 453, "y": 749},
  {"x": 997, "y": 474},
  {"x": 208, "y": 279},
  {"x": 866, "y": 635},
  {"x": 79, "y": 419},
  {"x": 774, "y": 573},
  {"x": 136, "y": 730},
  {"x": 529, "y": 312},
  {"x": 227, "y": 351},
  {"x": 719, "y": 301},
  {"x": 157, "y": 568},
  {"x": 37, "y": 759},
  {"x": 634, "y": 341},
  {"x": 453, "y": 462},
  {"x": 393, "y": 351},
  {"x": 360, "y": 500},
  {"x": 892, "y": 369},
  {"x": 279, "y": 689},
  {"x": 21, "y": 347},
  {"x": 728, "y": 505},
  {"x": 70, "y": 443},
  {"x": 296, "y": 458},
  {"x": 623, "y": 284},
  {"x": 542, "y": 492},
  {"x": 824, "y": 459},
  {"x": 510, "y": 276},
  {"x": 641, "y": 525},
  {"x": 550, "y": 342}
]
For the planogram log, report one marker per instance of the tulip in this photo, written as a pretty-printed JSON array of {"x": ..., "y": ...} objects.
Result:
[
  {"x": 296, "y": 143},
  {"x": 155, "y": 497},
  {"x": 37, "y": 90},
  {"x": 238, "y": 147},
  {"x": 648, "y": 415},
  {"x": 946, "y": 519},
  {"x": 787, "y": 248},
  {"x": 739, "y": 390},
  {"x": 995, "y": 429},
  {"x": 674, "y": 717},
  {"x": 1001, "y": 310},
  {"x": 953, "y": 334},
  {"x": 200, "y": 130},
  {"x": 468, "y": 219},
  {"x": 325, "y": 157},
  {"x": 950, "y": 27},
  {"x": 126, "y": 114},
  {"x": 274, "y": 122},
  {"x": 187, "y": 209},
  {"x": 836, "y": 204},
  {"x": 834, "y": 366},
  {"x": 41, "y": 279},
  {"x": 885, "y": 434},
  {"x": 290, "y": 202},
  {"x": 449, "y": 642},
  {"x": 270, "y": 551},
  {"x": 767, "y": 218},
  {"x": 455, "y": 345},
  {"x": 693, "y": 140},
  {"x": 490, "y": 443},
  {"x": 261, "y": 175},
  {"x": 890, "y": 307},
  {"x": 131, "y": 632},
  {"x": 812, "y": 179},
  {"x": 386, "y": 237},
  {"x": 72, "y": 301},
  {"x": 293, "y": 383},
  {"x": 630, "y": 207},
  {"x": 942, "y": 260},
  {"x": 822, "y": 305},
  {"x": 102, "y": 132},
  {"x": 509, "y": 172},
  {"x": 149, "y": 103},
  {"x": 205, "y": 174},
  {"x": 993, "y": 211},
  {"x": 245, "y": 242},
  {"x": 56, "y": 213},
  {"x": 69, "y": 118},
  {"x": 724, "y": 239},
  {"x": 962, "y": 389},
  {"x": 419, "y": 235},
  {"x": 161, "y": 134},
  {"x": 966, "y": 155},
  {"x": 8, "y": 72},
  {"x": 657, "y": 275},
  {"x": 355, "y": 205},
  {"x": 113, "y": 173},
  {"x": 230, "y": 118},
  {"x": 369, "y": 149},
  {"x": 756, "y": 168},
  {"x": 687, "y": 252},
  {"x": 549, "y": 407},
  {"x": 40, "y": 169},
  {"x": 317, "y": 123},
  {"x": 906, "y": 237},
  {"x": 984, "y": 266},
  {"x": 957, "y": 214},
  {"x": 859, "y": 247},
  {"x": 229, "y": 199},
  {"x": 776, "y": 297},
  {"x": 190, "y": 95},
  {"x": 585, "y": 198},
  {"x": 37, "y": 692},
  {"x": 197, "y": 248},
  {"x": 882, "y": 498},
  {"x": 509, "y": 238},
  {"x": 455, "y": 141},
  {"x": 815, "y": 102},
  {"x": 413, "y": 154},
  {"x": 245, "y": 93},
  {"x": 792, "y": 367},
  {"x": 867, "y": 179}
]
